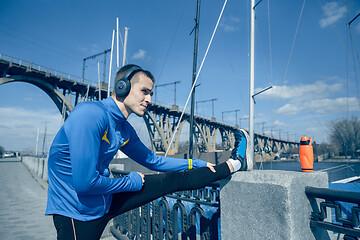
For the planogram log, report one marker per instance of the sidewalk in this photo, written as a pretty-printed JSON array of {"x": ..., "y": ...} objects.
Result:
[{"x": 22, "y": 204}]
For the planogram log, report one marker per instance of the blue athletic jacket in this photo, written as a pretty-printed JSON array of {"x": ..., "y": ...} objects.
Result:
[{"x": 78, "y": 174}]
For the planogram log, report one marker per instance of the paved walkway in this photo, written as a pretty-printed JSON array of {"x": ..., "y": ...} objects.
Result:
[{"x": 22, "y": 204}]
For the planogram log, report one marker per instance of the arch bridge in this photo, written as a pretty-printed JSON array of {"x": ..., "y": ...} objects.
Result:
[
  {"x": 209, "y": 135},
  {"x": 60, "y": 87}
]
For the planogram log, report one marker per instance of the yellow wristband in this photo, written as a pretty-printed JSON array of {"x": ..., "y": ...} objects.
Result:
[{"x": 190, "y": 164}]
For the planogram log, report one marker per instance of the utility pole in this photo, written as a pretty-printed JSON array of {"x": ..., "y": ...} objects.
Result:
[
  {"x": 252, "y": 79},
  {"x": 210, "y": 100},
  {"x": 105, "y": 58},
  {"x": 349, "y": 23},
  {"x": 44, "y": 143},
  {"x": 117, "y": 45},
  {"x": 279, "y": 133},
  {"x": 236, "y": 111},
  {"x": 242, "y": 119},
  {"x": 196, "y": 41},
  {"x": 166, "y": 84},
  {"x": 125, "y": 45},
  {"x": 111, "y": 56},
  {"x": 37, "y": 141},
  {"x": 99, "y": 80},
  {"x": 263, "y": 127},
  {"x": 92, "y": 57}
]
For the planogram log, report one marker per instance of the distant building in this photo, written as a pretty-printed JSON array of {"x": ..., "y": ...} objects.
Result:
[{"x": 10, "y": 154}]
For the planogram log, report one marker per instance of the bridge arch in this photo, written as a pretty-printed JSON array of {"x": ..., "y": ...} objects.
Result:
[
  {"x": 161, "y": 127},
  {"x": 64, "y": 105}
]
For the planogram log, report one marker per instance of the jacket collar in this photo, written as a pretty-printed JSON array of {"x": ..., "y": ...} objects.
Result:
[{"x": 114, "y": 110}]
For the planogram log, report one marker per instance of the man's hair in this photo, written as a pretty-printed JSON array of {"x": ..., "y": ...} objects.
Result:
[{"x": 126, "y": 68}]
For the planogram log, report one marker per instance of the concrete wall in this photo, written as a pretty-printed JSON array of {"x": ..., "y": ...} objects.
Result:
[
  {"x": 39, "y": 169},
  {"x": 269, "y": 205},
  {"x": 37, "y": 166}
]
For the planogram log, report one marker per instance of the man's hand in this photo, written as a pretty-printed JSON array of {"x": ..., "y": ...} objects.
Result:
[
  {"x": 142, "y": 177},
  {"x": 211, "y": 167}
]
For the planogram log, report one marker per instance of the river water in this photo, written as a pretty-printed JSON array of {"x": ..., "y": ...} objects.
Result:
[{"x": 336, "y": 170}]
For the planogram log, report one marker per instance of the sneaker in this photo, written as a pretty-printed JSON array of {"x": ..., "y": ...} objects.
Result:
[{"x": 241, "y": 150}]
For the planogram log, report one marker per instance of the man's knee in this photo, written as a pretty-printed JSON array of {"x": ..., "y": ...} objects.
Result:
[{"x": 175, "y": 178}]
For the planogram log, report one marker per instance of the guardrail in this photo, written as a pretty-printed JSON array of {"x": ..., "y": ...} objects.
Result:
[
  {"x": 181, "y": 215},
  {"x": 335, "y": 200},
  {"x": 29, "y": 66}
]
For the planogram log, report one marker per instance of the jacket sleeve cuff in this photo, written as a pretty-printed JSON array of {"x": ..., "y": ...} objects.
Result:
[
  {"x": 197, "y": 163},
  {"x": 136, "y": 180}
]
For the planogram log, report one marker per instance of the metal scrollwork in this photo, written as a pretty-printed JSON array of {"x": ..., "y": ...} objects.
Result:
[
  {"x": 180, "y": 215},
  {"x": 333, "y": 200}
]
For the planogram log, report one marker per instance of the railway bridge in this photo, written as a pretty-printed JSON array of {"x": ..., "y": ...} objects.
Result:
[{"x": 66, "y": 91}]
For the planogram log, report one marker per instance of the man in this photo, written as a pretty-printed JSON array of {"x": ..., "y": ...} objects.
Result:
[{"x": 82, "y": 197}]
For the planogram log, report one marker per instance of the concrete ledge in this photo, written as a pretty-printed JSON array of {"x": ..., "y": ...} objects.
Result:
[
  {"x": 268, "y": 205},
  {"x": 38, "y": 169},
  {"x": 37, "y": 166}
]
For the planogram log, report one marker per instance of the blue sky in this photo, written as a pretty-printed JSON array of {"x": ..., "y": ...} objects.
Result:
[{"x": 308, "y": 60}]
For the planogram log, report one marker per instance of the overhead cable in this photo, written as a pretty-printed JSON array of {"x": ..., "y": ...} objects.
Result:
[{"x": 196, "y": 78}]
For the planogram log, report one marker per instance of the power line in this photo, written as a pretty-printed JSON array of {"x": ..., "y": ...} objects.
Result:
[
  {"x": 93, "y": 57},
  {"x": 353, "y": 20},
  {"x": 352, "y": 44},
  {"x": 212, "y": 102},
  {"x": 293, "y": 44},
  {"x": 167, "y": 84}
]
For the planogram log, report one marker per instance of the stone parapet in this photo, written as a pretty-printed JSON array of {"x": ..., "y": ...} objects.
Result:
[{"x": 269, "y": 204}]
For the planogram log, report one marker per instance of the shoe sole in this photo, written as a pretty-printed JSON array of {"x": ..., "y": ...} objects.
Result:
[{"x": 248, "y": 156}]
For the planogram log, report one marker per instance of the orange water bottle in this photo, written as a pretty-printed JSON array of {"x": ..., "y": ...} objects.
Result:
[{"x": 306, "y": 154}]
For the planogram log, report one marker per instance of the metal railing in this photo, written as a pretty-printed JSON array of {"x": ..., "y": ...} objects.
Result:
[
  {"x": 181, "y": 215},
  {"x": 335, "y": 200},
  {"x": 48, "y": 72}
]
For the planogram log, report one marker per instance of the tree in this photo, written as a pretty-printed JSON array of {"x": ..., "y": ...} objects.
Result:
[
  {"x": 323, "y": 149},
  {"x": 345, "y": 135},
  {"x": 2, "y": 150}
]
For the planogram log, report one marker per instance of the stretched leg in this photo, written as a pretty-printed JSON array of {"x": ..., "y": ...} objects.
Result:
[{"x": 158, "y": 185}]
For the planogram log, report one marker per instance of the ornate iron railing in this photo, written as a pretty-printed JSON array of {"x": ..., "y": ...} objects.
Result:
[
  {"x": 335, "y": 200},
  {"x": 180, "y": 215}
]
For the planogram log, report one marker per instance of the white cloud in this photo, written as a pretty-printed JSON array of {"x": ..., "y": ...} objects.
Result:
[
  {"x": 357, "y": 28},
  {"x": 92, "y": 48},
  {"x": 19, "y": 127},
  {"x": 230, "y": 24},
  {"x": 332, "y": 13},
  {"x": 319, "y": 89},
  {"x": 278, "y": 123},
  {"x": 318, "y": 134},
  {"x": 235, "y": 19},
  {"x": 289, "y": 109},
  {"x": 228, "y": 27},
  {"x": 322, "y": 106},
  {"x": 140, "y": 54}
]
